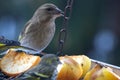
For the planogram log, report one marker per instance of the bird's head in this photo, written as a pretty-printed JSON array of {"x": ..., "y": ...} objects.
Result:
[
  {"x": 50, "y": 60},
  {"x": 47, "y": 11}
]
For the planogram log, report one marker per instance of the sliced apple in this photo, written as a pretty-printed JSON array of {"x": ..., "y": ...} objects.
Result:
[
  {"x": 84, "y": 61},
  {"x": 14, "y": 63},
  {"x": 101, "y": 73},
  {"x": 69, "y": 69}
]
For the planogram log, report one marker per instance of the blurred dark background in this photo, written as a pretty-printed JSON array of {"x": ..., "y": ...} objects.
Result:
[{"x": 94, "y": 27}]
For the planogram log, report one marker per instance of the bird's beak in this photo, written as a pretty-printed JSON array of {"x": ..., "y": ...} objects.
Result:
[{"x": 59, "y": 12}]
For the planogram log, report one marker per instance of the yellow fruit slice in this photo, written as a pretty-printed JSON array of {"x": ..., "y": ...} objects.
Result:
[
  {"x": 108, "y": 74},
  {"x": 84, "y": 61},
  {"x": 101, "y": 73},
  {"x": 91, "y": 75},
  {"x": 69, "y": 69}
]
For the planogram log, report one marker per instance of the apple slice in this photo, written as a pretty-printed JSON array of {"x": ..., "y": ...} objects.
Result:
[
  {"x": 69, "y": 69},
  {"x": 101, "y": 73},
  {"x": 14, "y": 62}
]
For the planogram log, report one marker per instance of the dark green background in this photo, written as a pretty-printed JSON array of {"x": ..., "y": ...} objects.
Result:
[{"x": 90, "y": 18}]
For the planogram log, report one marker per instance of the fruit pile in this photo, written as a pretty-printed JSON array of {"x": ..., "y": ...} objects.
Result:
[{"x": 72, "y": 67}]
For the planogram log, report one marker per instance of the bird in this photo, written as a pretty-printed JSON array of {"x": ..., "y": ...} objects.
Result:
[
  {"x": 6, "y": 44},
  {"x": 40, "y": 29},
  {"x": 43, "y": 71},
  {"x": 4, "y": 41}
]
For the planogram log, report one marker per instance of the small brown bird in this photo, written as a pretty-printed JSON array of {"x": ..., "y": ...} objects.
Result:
[{"x": 40, "y": 29}]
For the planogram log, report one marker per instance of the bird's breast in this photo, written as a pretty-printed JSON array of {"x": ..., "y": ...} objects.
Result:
[{"x": 40, "y": 38}]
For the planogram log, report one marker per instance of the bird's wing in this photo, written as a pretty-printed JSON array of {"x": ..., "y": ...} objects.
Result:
[
  {"x": 44, "y": 71},
  {"x": 40, "y": 70},
  {"x": 1, "y": 44},
  {"x": 1, "y": 41},
  {"x": 41, "y": 75},
  {"x": 22, "y": 34},
  {"x": 7, "y": 42}
]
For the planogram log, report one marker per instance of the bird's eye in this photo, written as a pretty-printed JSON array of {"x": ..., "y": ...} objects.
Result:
[{"x": 49, "y": 9}]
